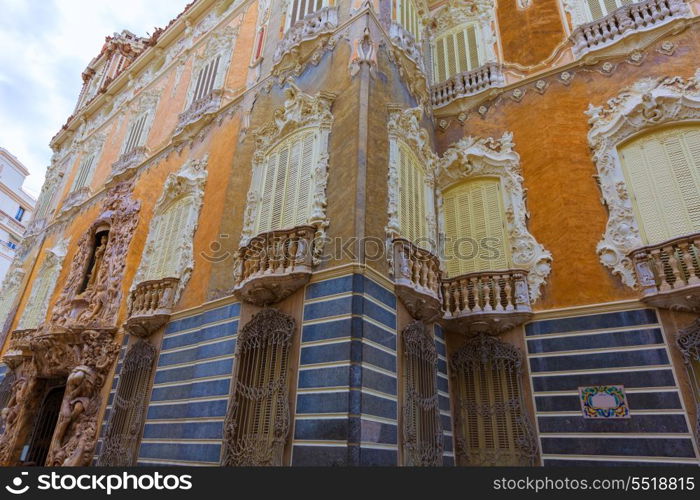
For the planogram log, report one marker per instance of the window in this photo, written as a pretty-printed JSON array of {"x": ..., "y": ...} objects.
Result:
[
  {"x": 206, "y": 79},
  {"x": 136, "y": 136},
  {"x": 298, "y": 9},
  {"x": 422, "y": 432},
  {"x": 412, "y": 197},
  {"x": 12, "y": 245},
  {"x": 287, "y": 182},
  {"x": 601, "y": 8},
  {"x": 120, "y": 446},
  {"x": 662, "y": 170},
  {"x": 20, "y": 213},
  {"x": 42, "y": 288},
  {"x": 456, "y": 51},
  {"x": 82, "y": 178},
  {"x": 258, "y": 418},
  {"x": 491, "y": 426},
  {"x": 474, "y": 225},
  {"x": 408, "y": 17},
  {"x": 259, "y": 45},
  {"x": 167, "y": 252}
]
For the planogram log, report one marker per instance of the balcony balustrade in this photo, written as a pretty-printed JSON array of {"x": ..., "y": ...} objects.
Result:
[
  {"x": 417, "y": 280},
  {"x": 493, "y": 301},
  {"x": 636, "y": 17},
  {"x": 274, "y": 265},
  {"x": 150, "y": 306},
  {"x": 466, "y": 84},
  {"x": 199, "y": 114},
  {"x": 669, "y": 273},
  {"x": 128, "y": 162}
]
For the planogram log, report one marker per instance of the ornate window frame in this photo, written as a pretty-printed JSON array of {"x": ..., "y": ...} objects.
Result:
[
  {"x": 456, "y": 13},
  {"x": 145, "y": 104},
  {"x": 35, "y": 310},
  {"x": 647, "y": 104},
  {"x": 472, "y": 158},
  {"x": 221, "y": 43},
  {"x": 404, "y": 126},
  {"x": 188, "y": 182},
  {"x": 299, "y": 111}
]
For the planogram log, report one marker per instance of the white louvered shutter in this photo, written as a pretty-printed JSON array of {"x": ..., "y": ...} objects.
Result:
[
  {"x": 601, "y": 8},
  {"x": 472, "y": 213},
  {"x": 38, "y": 303},
  {"x": 168, "y": 239},
  {"x": 412, "y": 200},
  {"x": 136, "y": 134},
  {"x": 302, "y": 8},
  {"x": 407, "y": 16},
  {"x": 663, "y": 173},
  {"x": 82, "y": 178},
  {"x": 206, "y": 79}
]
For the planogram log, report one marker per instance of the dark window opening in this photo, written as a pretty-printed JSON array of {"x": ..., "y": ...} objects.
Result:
[
  {"x": 44, "y": 426},
  {"x": 20, "y": 213}
]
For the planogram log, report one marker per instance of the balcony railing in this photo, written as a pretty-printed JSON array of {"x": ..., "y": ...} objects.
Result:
[
  {"x": 466, "y": 84},
  {"x": 313, "y": 25},
  {"x": 492, "y": 301},
  {"x": 639, "y": 16},
  {"x": 669, "y": 273},
  {"x": 151, "y": 305},
  {"x": 199, "y": 113},
  {"x": 76, "y": 198},
  {"x": 274, "y": 265},
  {"x": 417, "y": 280}
]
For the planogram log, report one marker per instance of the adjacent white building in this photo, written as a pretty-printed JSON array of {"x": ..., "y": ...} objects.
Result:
[{"x": 16, "y": 207}]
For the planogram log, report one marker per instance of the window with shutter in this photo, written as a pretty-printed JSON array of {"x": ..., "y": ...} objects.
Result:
[
  {"x": 491, "y": 426},
  {"x": 258, "y": 419},
  {"x": 407, "y": 16},
  {"x": 456, "y": 51},
  {"x": 662, "y": 170},
  {"x": 206, "y": 79},
  {"x": 601, "y": 8},
  {"x": 37, "y": 305},
  {"x": 299, "y": 9},
  {"x": 286, "y": 184},
  {"x": 412, "y": 199},
  {"x": 82, "y": 178},
  {"x": 167, "y": 254},
  {"x": 474, "y": 225},
  {"x": 136, "y": 136}
]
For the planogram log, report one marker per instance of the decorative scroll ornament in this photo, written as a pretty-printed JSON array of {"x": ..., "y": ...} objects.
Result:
[
  {"x": 688, "y": 341},
  {"x": 646, "y": 104},
  {"x": 189, "y": 183},
  {"x": 364, "y": 52},
  {"x": 471, "y": 158},
  {"x": 120, "y": 446},
  {"x": 486, "y": 354},
  {"x": 97, "y": 305},
  {"x": 299, "y": 111},
  {"x": 404, "y": 126},
  {"x": 422, "y": 428},
  {"x": 249, "y": 440}
]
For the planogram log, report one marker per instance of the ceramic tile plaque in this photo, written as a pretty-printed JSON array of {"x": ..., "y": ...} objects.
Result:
[{"x": 604, "y": 401}]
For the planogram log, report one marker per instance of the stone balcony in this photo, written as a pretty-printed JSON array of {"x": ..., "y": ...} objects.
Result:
[
  {"x": 669, "y": 273},
  {"x": 466, "y": 84},
  {"x": 632, "y": 18},
  {"x": 304, "y": 38},
  {"x": 417, "y": 280},
  {"x": 75, "y": 199},
  {"x": 151, "y": 305},
  {"x": 274, "y": 265},
  {"x": 493, "y": 302},
  {"x": 200, "y": 113},
  {"x": 128, "y": 163},
  {"x": 19, "y": 348}
]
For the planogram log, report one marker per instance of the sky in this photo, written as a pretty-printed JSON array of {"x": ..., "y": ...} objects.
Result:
[{"x": 45, "y": 45}]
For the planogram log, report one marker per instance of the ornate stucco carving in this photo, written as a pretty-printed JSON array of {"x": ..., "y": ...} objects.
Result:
[
  {"x": 404, "y": 126},
  {"x": 405, "y": 53},
  {"x": 299, "y": 111},
  {"x": 646, "y": 104},
  {"x": 97, "y": 306},
  {"x": 8, "y": 293},
  {"x": 304, "y": 39},
  {"x": 188, "y": 182},
  {"x": 476, "y": 157}
]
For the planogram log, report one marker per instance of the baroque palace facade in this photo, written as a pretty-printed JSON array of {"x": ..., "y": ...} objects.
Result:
[{"x": 356, "y": 232}]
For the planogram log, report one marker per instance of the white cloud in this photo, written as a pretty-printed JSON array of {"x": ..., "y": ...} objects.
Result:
[{"x": 45, "y": 47}]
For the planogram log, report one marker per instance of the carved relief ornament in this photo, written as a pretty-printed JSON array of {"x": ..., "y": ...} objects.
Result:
[
  {"x": 404, "y": 126},
  {"x": 299, "y": 111},
  {"x": 221, "y": 43},
  {"x": 646, "y": 104},
  {"x": 188, "y": 182},
  {"x": 477, "y": 157}
]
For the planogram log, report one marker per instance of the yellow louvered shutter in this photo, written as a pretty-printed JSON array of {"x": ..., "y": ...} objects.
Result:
[
  {"x": 412, "y": 202},
  {"x": 475, "y": 228},
  {"x": 286, "y": 187},
  {"x": 456, "y": 51},
  {"x": 663, "y": 173}
]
